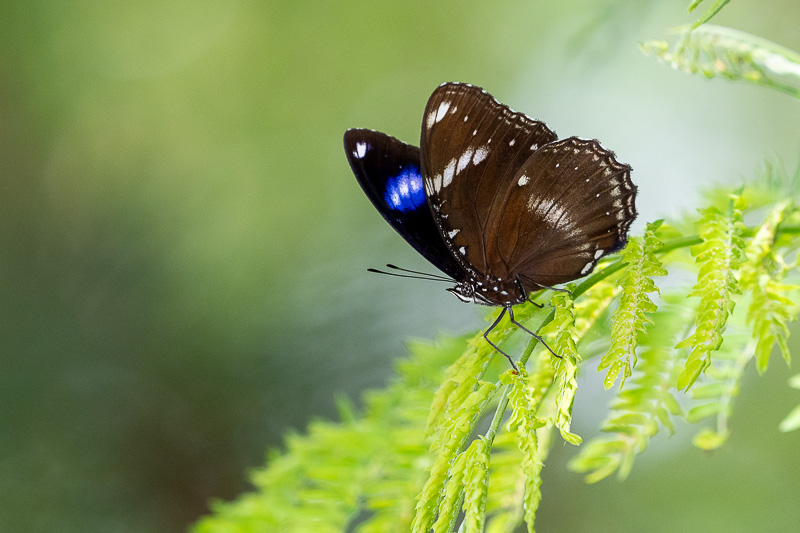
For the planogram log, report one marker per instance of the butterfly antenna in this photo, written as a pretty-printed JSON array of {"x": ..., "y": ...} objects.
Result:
[
  {"x": 395, "y": 267},
  {"x": 376, "y": 271}
]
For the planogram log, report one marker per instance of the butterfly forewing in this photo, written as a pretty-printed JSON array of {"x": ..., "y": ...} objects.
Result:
[
  {"x": 389, "y": 172},
  {"x": 570, "y": 204},
  {"x": 471, "y": 148}
]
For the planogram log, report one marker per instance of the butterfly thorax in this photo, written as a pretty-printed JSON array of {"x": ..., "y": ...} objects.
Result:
[{"x": 490, "y": 291}]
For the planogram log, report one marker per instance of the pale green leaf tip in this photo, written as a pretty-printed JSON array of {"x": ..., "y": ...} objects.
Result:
[
  {"x": 791, "y": 422},
  {"x": 709, "y": 440}
]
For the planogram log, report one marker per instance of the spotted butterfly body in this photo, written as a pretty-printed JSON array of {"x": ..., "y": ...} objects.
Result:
[{"x": 493, "y": 199}]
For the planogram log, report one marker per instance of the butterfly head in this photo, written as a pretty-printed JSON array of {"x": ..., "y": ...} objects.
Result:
[{"x": 489, "y": 291}]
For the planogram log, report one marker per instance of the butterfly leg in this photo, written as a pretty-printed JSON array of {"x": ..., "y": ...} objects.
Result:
[
  {"x": 555, "y": 289},
  {"x": 534, "y": 303},
  {"x": 493, "y": 345},
  {"x": 534, "y": 335}
]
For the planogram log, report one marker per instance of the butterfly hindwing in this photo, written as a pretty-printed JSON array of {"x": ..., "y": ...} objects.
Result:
[
  {"x": 471, "y": 146},
  {"x": 569, "y": 205},
  {"x": 388, "y": 171}
]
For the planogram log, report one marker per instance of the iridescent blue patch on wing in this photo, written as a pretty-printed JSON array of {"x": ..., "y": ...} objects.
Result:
[{"x": 405, "y": 191}]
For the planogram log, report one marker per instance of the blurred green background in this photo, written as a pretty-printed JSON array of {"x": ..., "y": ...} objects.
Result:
[{"x": 183, "y": 245}]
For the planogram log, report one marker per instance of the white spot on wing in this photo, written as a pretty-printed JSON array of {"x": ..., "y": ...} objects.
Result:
[
  {"x": 437, "y": 183},
  {"x": 361, "y": 150},
  {"x": 463, "y": 161},
  {"x": 480, "y": 154},
  {"x": 511, "y": 142},
  {"x": 462, "y": 251},
  {"x": 453, "y": 233},
  {"x": 449, "y": 170},
  {"x": 587, "y": 268},
  {"x": 443, "y": 107},
  {"x": 430, "y": 119},
  {"x": 523, "y": 180},
  {"x": 598, "y": 253}
]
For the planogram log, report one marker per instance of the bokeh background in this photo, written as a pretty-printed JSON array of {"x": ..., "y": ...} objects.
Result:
[{"x": 183, "y": 245}]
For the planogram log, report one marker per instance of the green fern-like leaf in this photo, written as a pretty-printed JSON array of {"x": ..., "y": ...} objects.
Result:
[
  {"x": 327, "y": 476},
  {"x": 476, "y": 486},
  {"x": 506, "y": 486},
  {"x": 563, "y": 331},
  {"x": 453, "y": 494},
  {"x": 717, "y": 51},
  {"x": 524, "y": 424},
  {"x": 445, "y": 448},
  {"x": 714, "y": 398},
  {"x": 412, "y": 462},
  {"x": 718, "y": 258},
  {"x": 762, "y": 274},
  {"x": 645, "y": 405},
  {"x": 630, "y": 318},
  {"x": 592, "y": 304},
  {"x": 461, "y": 378}
]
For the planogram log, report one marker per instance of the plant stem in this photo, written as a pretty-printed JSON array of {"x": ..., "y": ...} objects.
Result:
[{"x": 588, "y": 283}]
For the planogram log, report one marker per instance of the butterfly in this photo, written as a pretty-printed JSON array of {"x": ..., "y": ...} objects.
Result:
[{"x": 494, "y": 200}]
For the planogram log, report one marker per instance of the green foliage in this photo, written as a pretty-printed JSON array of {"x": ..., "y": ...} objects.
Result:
[
  {"x": 647, "y": 403},
  {"x": 718, "y": 258},
  {"x": 431, "y": 452},
  {"x": 718, "y": 51},
  {"x": 417, "y": 458},
  {"x": 476, "y": 487},
  {"x": 563, "y": 331},
  {"x": 630, "y": 317},
  {"x": 376, "y": 461},
  {"x": 771, "y": 307},
  {"x": 524, "y": 424}
]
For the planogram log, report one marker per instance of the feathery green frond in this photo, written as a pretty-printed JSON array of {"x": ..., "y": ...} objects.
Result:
[
  {"x": 645, "y": 405},
  {"x": 476, "y": 486},
  {"x": 449, "y": 442},
  {"x": 762, "y": 274},
  {"x": 324, "y": 478},
  {"x": 713, "y": 399},
  {"x": 460, "y": 380},
  {"x": 452, "y": 495},
  {"x": 735, "y": 55},
  {"x": 506, "y": 486},
  {"x": 718, "y": 258},
  {"x": 563, "y": 331},
  {"x": 592, "y": 304},
  {"x": 415, "y": 461},
  {"x": 524, "y": 423},
  {"x": 630, "y": 318}
]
